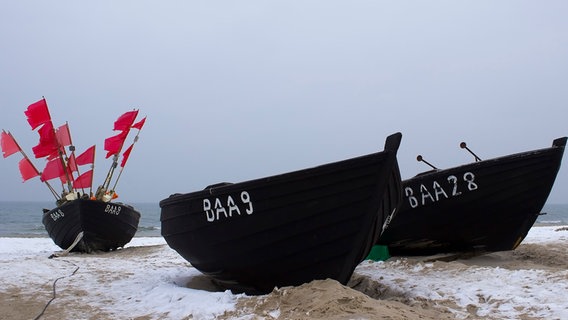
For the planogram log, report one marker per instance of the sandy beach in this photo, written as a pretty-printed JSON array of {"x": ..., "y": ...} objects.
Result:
[{"x": 148, "y": 280}]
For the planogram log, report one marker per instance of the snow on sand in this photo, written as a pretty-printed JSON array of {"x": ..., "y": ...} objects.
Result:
[{"x": 148, "y": 280}]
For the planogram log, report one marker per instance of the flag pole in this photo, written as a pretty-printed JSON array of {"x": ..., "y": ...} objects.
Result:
[
  {"x": 62, "y": 154},
  {"x": 122, "y": 167},
  {"x": 138, "y": 126},
  {"x": 92, "y": 168},
  {"x": 35, "y": 125},
  {"x": 63, "y": 157},
  {"x": 30, "y": 162},
  {"x": 72, "y": 150},
  {"x": 102, "y": 189}
]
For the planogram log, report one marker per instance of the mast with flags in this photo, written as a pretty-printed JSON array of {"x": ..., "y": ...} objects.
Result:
[
  {"x": 113, "y": 145},
  {"x": 63, "y": 166}
]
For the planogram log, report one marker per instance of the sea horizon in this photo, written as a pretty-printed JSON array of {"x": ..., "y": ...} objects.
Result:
[{"x": 22, "y": 219}]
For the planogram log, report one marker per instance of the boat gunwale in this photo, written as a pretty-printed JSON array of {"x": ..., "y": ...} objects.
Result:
[{"x": 525, "y": 154}]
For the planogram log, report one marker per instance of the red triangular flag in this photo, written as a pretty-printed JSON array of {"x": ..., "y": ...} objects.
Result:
[
  {"x": 48, "y": 145},
  {"x": 84, "y": 180},
  {"x": 72, "y": 163},
  {"x": 86, "y": 157},
  {"x": 114, "y": 143},
  {"x": 125, "y": 155},
  {"x": 126, "y": 120},
  {"x": 63, "y": 177},
  {"x": 63, "y": 135},
  {"x": 37, "y": 113},
  {"x": 53, "y": 169},
  {"x": 9, "y": 144},
  {"x": 27, "y": 169},
  {"x": 138, "y": 125}
]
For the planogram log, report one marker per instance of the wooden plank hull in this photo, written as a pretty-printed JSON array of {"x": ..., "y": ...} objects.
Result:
[
  {"x": 105, "y": 225},
  {"x": 485, "y": 206},
  {"x": 287, "y": 229}
]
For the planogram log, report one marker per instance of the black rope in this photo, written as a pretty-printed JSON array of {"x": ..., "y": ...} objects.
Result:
[{"x": 54, "y": 290}]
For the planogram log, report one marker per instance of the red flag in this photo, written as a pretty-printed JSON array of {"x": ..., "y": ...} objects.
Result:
[
  {"x": 63, "y": 135},
  {"x": 138, "y": 125},
  {"x": 125, "y": 155},
  {"x": 48, "y": 145},
  {"x": 53, "y": 169},
  {"x": 126, "y": 120},
  {"x": 114, "y": 143},
  {"x": 9, "y": 144},
  {"x": 55, "y": 154},
  {"x": 84, "y": 180},
  {"x": 72, "y": 163},
  {"x": 27, "y": 169},
  {"x": 64, "y": 177},
  {"x": 37, "y": 113},
  {"x": 86, "y": 157}
]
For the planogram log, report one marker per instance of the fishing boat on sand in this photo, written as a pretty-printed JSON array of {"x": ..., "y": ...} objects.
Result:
[
  {"x": 485, "y": 206},
  {"x": 82, "y": 220},
  {"x": 287, "y": 229}
]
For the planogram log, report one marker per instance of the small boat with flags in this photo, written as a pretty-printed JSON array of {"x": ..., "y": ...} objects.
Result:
[
  {"x": 82, "y": 220},
  {"x": 287, "y": 229},
  {"x": 485, "y": 206}
]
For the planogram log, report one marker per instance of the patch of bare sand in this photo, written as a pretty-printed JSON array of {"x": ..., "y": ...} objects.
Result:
[
  {"x": 327, "y": 299},
  {"x": 16, "y": 305},
  {"x": 550, "y": 256}
]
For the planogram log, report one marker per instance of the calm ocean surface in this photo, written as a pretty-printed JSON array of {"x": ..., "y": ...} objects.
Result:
[{"x": 23, "y": 219}]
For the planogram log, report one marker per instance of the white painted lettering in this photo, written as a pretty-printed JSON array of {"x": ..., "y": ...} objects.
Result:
[
  {"x": 227, "y": 207},
  {"x": 438, "y": 193},
  {"x": 232, "y": 206},
  {"x": 425, "y": 194},
  {"x": 411, "y": 198}
]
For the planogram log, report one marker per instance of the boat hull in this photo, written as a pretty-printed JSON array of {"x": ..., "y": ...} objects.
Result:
[
  {"x": 105, "y": 225},
  {"x": 481, "y": 207},
  {"x": 287, "y": 229}
]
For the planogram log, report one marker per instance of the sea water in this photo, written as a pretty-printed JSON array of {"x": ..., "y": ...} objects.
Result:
[
  {"x": 553, "y": 214},
  {"x": 23, "y": 219}
]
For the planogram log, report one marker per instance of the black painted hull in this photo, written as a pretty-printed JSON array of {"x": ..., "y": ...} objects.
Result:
[
  {"x": 105, "y": 225},
  {"x": 287, "y": 229},
  {"x": 494, "y": 204}
]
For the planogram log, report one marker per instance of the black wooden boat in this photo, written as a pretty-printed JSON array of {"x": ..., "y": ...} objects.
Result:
[
  {"x": 94, "y": 225},
  {"x": 485, "y": 206},
  {"x": 286, "y": 229}
]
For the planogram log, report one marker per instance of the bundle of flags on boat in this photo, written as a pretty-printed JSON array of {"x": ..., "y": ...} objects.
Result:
[{"x": 66, "y": 166}]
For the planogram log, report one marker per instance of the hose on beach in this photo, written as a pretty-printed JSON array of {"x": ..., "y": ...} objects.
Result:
[
  {"x": 54, "y": 292},
  {"x": 64, "y": 253}
]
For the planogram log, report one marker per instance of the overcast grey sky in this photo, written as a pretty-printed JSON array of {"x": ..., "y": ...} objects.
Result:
[{"x": 237, "y": 90}]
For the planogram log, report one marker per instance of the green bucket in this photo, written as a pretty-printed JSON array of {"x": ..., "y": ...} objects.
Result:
[{"x": 379, "y": 253}]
